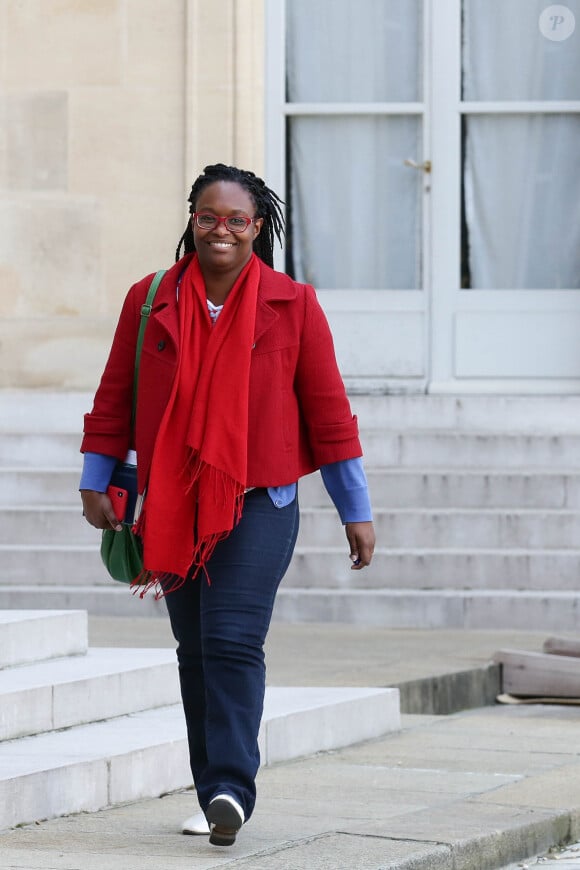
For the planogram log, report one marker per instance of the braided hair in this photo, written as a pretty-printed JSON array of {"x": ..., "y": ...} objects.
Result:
[{"x": 267, "y": 204}]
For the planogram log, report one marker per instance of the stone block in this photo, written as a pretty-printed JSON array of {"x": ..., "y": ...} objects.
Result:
[
  {"x": 50, "y": 257},
  {"x": 37, "y": 635},
  {"x": 155, "y": 45},
  {"x": 115, "y": 682},
  {"x": 23, "y": 712},
  {"x": 52, "y": 352},
  {"x": 34, "y": 141},
  {"x": 61, "y": 43},
  {"x": 389, "y": 608},
  {"x": 354, "y": 852},
  {"x": 103, "y": 684},
  {"x": 128, "y": 141},
  {"x": 41, "y": 793},
  {"x": 554, "y": 790},
  {"x": 153, "y": 770},
  {"x": 140, "y": 235},
  {"x": 301, "y": 721}
]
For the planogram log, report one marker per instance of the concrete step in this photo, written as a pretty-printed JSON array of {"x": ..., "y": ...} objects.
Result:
[
  {"x": 36, "y": 635},
  {"x": 45, "y": 524},
  {"x": 33, "y": 584},
  {"x": 440, "y": 449},
  {"x": 436, "y": 569},
  {"x": 382, "y": 447},
  {"x": 103, "y": 684},
  {"x": 109, "y": 599},
  {"x": 389, "y": 487},
  {"x": 555, "y": 414},
  {"x": 45, "y": 410},
  {"x": 320, "y": 527},
  {"x": 39, "y": 486},
  {"x": 489, "y": 529},
  {"x": 89, "y": 767},
  {"x": 541, "y": 610},
  {"x": 32, "y": 449},
  {"x": 458, "y": 488}
]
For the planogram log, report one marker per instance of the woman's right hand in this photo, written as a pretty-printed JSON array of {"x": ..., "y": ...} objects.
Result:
[{"x": 98, "y": 510}]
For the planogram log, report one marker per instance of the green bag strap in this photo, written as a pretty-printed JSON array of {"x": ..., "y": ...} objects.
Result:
[{"x": 145, "y": 312}]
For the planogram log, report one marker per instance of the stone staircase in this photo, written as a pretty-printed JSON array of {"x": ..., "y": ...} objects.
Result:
[
  {"x": 477, "y": 512},
  {"x": 82, "y": 729}
]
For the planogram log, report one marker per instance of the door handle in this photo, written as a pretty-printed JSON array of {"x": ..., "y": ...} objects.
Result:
[{"x": 425, "y": 166}]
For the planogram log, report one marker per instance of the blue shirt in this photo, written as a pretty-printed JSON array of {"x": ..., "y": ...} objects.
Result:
[{"x": 345, "y": 483}]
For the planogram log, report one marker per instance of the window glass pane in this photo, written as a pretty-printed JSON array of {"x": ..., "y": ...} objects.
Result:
[
  {"x": 522, "y": 202},
  {"x": 355, "y": 209},
  {"x": 507, "y": 57},
  {"x": 344, "y": 51}
]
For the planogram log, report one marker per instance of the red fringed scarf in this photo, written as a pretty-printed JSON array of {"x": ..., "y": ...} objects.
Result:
[{"x": 198, "y": 471}]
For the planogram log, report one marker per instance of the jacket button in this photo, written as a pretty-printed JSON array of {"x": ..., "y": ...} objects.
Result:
[{"x": 161, "y": 345}]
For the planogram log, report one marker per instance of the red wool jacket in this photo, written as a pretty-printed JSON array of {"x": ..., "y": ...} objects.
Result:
[{"x": 299, "y": 415}]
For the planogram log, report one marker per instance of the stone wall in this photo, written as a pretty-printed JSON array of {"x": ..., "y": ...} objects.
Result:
[{"x": 108, "y": 108}]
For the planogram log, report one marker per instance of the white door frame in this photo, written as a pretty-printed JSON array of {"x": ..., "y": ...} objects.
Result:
[
  {"x": 459, "y": 317},
  {"x": 444, "y": 320},
  {"x": 365, "y": 320}
]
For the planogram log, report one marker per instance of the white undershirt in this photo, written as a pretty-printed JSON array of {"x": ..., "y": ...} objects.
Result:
[{"x": 214, "y": 310}]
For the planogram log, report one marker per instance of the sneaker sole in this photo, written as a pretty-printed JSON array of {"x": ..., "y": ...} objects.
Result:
[{"x": 224, "y": 823}]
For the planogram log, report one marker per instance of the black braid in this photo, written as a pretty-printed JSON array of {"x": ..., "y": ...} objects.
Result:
[{"x": 267, "y": 204}]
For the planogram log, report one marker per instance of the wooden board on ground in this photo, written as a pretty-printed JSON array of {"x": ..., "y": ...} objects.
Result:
[
  {"x": 539, "y": 674},
  {"x": 516, "y": 699},
  {"x": 562, "y": 646}
]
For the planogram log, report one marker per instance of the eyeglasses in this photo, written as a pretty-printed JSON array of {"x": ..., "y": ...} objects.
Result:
[{"x": 235, "y": 223}]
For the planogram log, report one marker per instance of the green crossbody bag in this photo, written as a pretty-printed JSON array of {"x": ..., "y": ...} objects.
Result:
[{"x": 122, "y": 552}]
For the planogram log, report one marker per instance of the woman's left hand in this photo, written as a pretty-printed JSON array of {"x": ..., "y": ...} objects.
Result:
[{"x": 361, "y": 537}]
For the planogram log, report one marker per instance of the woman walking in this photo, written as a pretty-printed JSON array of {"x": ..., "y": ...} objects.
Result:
[{"x": 239, "y": 396}]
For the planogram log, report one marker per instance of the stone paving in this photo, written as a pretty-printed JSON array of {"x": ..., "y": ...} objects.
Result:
[{"x": 470, "y": 791}]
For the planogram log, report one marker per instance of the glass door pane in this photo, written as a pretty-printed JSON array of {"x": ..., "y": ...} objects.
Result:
[
  {"x": 521, "y": 169},
  {"x": 354, "y": 210},
  {"x": 340, "y": 51},
  {"x": 522, "y": 201},
  {"x": 506, "y": 56}
]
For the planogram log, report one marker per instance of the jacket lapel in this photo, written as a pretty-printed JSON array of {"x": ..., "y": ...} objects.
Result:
[{"x": 274, "y": 287}]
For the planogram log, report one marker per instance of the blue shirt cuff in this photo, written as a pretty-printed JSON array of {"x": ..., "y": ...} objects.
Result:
[
  {"x": 347, "y": 486},
  {"x": 97, "y": 471}
]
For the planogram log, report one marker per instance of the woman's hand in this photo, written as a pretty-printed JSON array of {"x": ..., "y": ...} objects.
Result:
[
  {"x": 361, "y": 537},
  {"x": 98, "y": 510}
]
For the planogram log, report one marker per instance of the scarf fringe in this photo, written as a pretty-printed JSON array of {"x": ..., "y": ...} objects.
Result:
[
  {"x": 165, "y": 582},
  {"x": 161, "y": 582}
]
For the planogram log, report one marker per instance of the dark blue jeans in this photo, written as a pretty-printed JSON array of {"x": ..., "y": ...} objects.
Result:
[{"x": 220, "y": 630}]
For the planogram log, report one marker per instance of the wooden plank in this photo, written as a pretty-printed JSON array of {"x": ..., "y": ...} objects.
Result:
[
  {"x": 531, "y": 699},
  {"x": 562, "y": 646},
  {"x": 539, "y": 674}
]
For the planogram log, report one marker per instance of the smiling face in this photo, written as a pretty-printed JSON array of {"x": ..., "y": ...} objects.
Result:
[{"x": 219, "y": 250}]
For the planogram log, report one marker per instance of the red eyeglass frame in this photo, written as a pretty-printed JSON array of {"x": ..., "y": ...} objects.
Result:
[{"x": 223, "y": 220}]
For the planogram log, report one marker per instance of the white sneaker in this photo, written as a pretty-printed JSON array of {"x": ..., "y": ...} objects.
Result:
[
  {"x": 225, "y": 817},
  {"x": 196, "y": 824}
]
